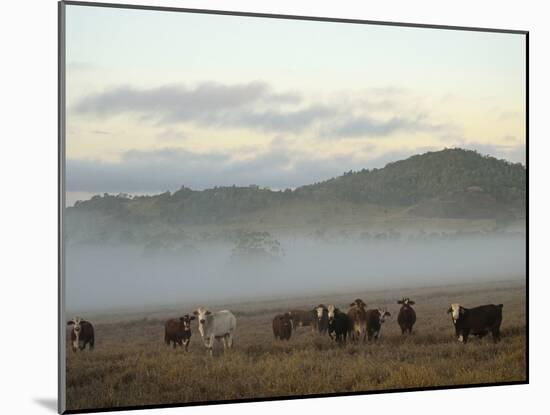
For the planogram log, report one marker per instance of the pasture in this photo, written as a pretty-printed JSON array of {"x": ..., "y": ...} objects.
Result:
[{"x": 131, "y": 365}]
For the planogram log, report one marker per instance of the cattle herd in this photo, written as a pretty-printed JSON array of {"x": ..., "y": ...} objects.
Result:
[{"x": 357, "y": 324}]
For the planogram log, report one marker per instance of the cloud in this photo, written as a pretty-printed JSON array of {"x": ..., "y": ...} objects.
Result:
[
  {"x": 279, "y": 167},
  {"x": 255, "y": 106},
  {"x": 174, "y": 103},
  {"x": 365, "y": 126}
]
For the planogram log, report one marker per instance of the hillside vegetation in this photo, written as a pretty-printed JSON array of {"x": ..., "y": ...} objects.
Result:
[{"x": 448, "y": 184}]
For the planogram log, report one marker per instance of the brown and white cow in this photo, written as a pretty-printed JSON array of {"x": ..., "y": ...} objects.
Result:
[
  {"x": 358, "y": 316},
  {"x": 82, "y": 334},
  {"x": 477, "y": 321},
  {"x": 282, "y": 326},
  {"x": 375, "y": 318},
  {"x": 407, "y": 316},
  {"x": 321, "y": 315},
  {"x": 178, "y": 331}
]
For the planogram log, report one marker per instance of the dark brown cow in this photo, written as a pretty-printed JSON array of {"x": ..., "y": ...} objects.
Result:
[
  {"x": 358, "y": 317},
  {"x": 303, "y": 318},
  {"x": 375, "y": 318},
  {"x": 339, "y": 324},
  {"x": 477, "y": 321},
  {"x": 282, "y": 326},
  {"x": 407, "y": 316},
  {"x": 82, "y": 334},
  {"x": 178, "y": 331}
]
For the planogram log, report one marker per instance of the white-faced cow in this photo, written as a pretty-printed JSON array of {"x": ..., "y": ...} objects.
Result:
[
  {"x": 477, "y": 321},
  {"x": 178, "y": 331},
  {"x": 407, "y": 316},
  {"x": 375, "y": 318},
  {"x": 358, "y": 316},
  {"x": 321, "y": 315},
  {"x": 82, "y": 334},
  {"x": 339, "y": 324},
  {"x": 219, "y": 325},
  {"x": 303, "y": 318}
]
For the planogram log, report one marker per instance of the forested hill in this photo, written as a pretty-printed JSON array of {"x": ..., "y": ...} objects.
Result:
[
  {"x": 449, "y": 183},
  {"x": 424, "y": 176}
]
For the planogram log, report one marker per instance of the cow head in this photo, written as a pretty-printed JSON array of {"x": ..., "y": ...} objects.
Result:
[
  {"x": 383, "y": 313},
  {"x": 75, "y": 322},
  {"x": 358, "y": 303},
  {"x": 202, "y": 315},
  {"x": 330, "y": 310},
  {"x": 285, "y": 321},
  {"x": 186, "y": 321},
  {"x": 406, "y": 301},
  {"x": 456, "y": 310},
  {"x": 320, "y": 310}
]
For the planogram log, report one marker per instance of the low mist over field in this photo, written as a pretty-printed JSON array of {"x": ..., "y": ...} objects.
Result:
[{"x": 111, "y": 277}]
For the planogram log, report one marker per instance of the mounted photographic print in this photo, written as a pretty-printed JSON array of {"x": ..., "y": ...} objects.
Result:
[{"x": 258, "y": 207}]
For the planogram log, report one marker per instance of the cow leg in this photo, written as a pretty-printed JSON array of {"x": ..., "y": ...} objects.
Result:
[
  {"x": 465, "y": 334},
  {"x": 496, "y": 335},
  {"x": 230, "y": 340}
]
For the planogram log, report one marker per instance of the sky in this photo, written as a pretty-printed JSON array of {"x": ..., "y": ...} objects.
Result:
[{"x": 157, "y": 100}]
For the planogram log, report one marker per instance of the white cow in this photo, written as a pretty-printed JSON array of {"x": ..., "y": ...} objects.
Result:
[{"x": 219, "y": 325}]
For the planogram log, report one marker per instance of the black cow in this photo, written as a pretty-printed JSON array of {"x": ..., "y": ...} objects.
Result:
[
  {"x": 282, "y": 326},
  {"x": 178, "y": 331},
  {"x": 339, "y": 324},
  {"x": 407, "y": 316},
  {"x": 82, "y": 334},
  {"x": 375, "y": 318},
  {"x": 477, "y": 321}
]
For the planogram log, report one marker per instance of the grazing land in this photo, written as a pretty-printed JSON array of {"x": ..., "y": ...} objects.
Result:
[{"x": 131, "y": 365}]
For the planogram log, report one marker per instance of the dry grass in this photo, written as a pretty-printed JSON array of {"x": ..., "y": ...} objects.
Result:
[{"x": 132, "y": 366}]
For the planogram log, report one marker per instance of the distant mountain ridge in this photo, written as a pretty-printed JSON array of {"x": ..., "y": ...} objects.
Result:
[{"x": 451, "y": 183}]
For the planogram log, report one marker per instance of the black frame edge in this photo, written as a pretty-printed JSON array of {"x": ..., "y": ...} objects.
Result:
[{"x": 290, "y": 17}]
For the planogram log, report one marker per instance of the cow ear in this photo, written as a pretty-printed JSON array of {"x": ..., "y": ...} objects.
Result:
[
  {"x": 400, "y": 302},
  {"x": 208, "y": 313},
  {"x": 352, "y": 304},
  {"x": 192, "y": 318},
  {"x": 449, "y": 310},
  {"x": 411, "y": 302},
  {"x": 196, "y": 312},
  {"x": 70, "y": 322},
  {"x": 182, "y": 318}
]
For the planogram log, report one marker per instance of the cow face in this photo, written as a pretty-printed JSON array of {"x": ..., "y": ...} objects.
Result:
[
  {"x": 285, "y": 321},
  {"x": 186, "y": 321},
  {"x": 384, "y": 313},
  {"x": 320, "y": 310},
  {"x": 455, "y": 310},
  {"x": 75, "y": 322},
  {"x": 330, "y": 309},
  {"x": 202, "y": 314},
  {"x": 406, "y": 301}
]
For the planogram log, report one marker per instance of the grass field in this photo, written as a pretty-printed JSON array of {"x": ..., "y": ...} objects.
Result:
[{"x": 132, "y": 366}]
